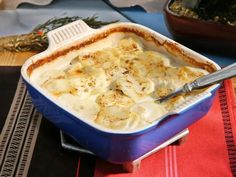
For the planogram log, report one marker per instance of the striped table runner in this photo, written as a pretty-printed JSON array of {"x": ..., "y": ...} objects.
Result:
[{"x": 30, "y": 145}]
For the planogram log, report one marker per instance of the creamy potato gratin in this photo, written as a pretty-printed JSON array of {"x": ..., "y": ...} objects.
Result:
[{"x": 116, "y": 87}]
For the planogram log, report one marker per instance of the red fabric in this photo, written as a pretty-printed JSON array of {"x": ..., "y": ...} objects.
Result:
[{"x": 209, "y": 150}]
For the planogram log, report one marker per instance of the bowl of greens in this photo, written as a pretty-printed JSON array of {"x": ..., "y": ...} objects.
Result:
[{"x": 203, "y": 24}]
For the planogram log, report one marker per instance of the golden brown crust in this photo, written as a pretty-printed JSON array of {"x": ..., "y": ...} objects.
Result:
[{"x": 171, "y": 47}]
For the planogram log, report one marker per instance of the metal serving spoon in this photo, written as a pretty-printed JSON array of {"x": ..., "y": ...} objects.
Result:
[{"x": 204, "y": 81}]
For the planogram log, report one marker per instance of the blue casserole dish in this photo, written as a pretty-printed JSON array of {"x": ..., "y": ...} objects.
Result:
[{"x": 114, "y": 146}]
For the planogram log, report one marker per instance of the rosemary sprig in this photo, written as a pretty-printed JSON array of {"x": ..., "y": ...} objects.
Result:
[
  {"x": 37, "y": 39},
  {"x": 54, "y": 23}
]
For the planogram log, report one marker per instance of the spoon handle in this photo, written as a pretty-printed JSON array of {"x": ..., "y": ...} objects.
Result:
[{"x": 210, "y": 79}]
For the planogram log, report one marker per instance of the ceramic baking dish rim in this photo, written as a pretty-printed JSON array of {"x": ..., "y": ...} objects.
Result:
[{"x": 91, "y": 32}]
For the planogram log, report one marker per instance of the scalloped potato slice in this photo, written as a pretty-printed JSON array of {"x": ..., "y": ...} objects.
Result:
[
  {"x": 58, "y": 86},
  {"x": 174, "y": 102},
  {"x": 101, "y": 58},
  {"x": 133, "y": 122},
  {"x": 108, "y": 60},
  {"x": 74, "y": 68},
  {"x": 110, "y": 114},
  {"x": 51, "y": 74},
  {"x": 135, "y": 87},
  {"x": 114, "y": 98},
  {"x": 117, "y": 117},
  {"x": 87, "y": 108},
  {"x": 145, "y": 62},
  {"x": 188, "y": 74},
  {"x": 134, "y": 67},
  {"x": 168, "y": 79},
  {"x": 89, "y": 80},
  {"x": 149, "y": 111},
  {"x": 129, "y": 48},
  {"x": 130, "y": 45},
  {"x": 152, "y": 59}
]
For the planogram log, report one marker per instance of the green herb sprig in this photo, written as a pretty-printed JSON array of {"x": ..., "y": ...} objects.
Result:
[{"x": 37, "y": 39}]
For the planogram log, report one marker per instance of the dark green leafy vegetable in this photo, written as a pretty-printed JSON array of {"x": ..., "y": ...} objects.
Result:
[{"x": 223, "y": 11}]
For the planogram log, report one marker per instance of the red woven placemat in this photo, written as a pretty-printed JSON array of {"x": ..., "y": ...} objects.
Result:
[{"x": 209, "y": 151}]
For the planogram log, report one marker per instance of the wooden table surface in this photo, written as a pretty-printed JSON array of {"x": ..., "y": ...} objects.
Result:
[{"x": 17, "y": 59}]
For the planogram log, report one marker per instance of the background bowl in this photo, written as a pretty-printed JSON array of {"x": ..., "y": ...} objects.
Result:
[{"x": 199, "y": 34}]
